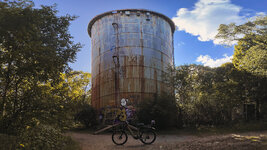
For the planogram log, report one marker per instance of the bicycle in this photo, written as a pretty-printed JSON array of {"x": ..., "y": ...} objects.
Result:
[{"x": 145, "y": 134}]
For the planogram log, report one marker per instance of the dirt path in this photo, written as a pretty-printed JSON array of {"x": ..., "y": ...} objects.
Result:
[{"x": 249, "y": 140}]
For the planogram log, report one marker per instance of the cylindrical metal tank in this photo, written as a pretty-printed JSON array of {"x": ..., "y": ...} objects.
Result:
[{"x": 131, "y": 50}]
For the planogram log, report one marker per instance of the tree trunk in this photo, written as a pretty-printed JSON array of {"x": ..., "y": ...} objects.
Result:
[
  {"x": 4, "y": 97},
  {"x": 257, "y": 109},
  {"x": 16, "y": 97}
]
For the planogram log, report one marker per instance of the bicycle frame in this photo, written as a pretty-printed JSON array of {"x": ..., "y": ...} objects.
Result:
[
  {"x": 131, "y": 131},
  {"x": 126, "y": 125}
]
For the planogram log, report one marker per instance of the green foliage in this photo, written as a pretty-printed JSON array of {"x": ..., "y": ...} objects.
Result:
[
  {"x": 73, "y": 86},
  {"x": 37, "y": 87},
  {"x": 87, "y": 116},
  {"x": 40, "y": 137},
  {"x": 35, "y": 48},
  {"x": 43, "y": 137},
  {"x": 250, "y": 53},
  {"x": 215, "y": 96},
  {"x": 162, "y": 109}
]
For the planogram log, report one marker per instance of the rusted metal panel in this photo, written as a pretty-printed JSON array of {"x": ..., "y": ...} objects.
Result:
[{"x": 142, "y": 45}]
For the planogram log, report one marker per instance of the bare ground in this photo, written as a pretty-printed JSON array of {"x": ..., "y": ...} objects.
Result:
[{"x": 234, "y": 141}]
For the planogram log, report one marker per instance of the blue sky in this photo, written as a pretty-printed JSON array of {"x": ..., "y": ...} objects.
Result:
[{"x": 196, "y": 22}]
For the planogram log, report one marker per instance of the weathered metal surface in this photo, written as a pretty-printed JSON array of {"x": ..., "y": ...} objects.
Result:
[{"x": 143, "y": 43}]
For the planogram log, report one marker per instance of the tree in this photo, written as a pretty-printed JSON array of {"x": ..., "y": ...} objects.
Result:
[
  {"x": 215, "y": 96},
  {"x": 73, "y": 92},
  {"x": 35, "y": 48},
  {"x": 73, "y": 86},
  {"x": 250, "y": 53},
  {"x": 161, "y": 108},
  {"x": 69, "y": 95}
]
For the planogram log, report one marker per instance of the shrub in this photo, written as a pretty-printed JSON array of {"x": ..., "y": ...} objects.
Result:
[
  {"x": 162, "y": 109},
  {"x": 44, "y": 137},
  {"x": 87, "y": 116}
]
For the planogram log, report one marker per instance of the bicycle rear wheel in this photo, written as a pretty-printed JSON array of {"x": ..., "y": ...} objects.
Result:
[
  {"x": 119, "y": 137},
  {"x": 148, "y": 136}
]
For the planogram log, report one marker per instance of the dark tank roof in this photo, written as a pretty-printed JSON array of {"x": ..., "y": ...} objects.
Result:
[{"x": 131, "y": 10}]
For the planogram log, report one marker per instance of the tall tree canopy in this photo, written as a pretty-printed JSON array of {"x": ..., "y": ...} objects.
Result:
[
  {"x": 35, "y": 49},
  {"x": 214, "y": 96},
  {"x": 251, "y": 50}
]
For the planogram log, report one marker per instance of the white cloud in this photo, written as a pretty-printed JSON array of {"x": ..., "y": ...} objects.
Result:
[
  {"x": 260, "y": 14},
  {"x": 206, "y": 16},
  {"x": 206, "y": 60}
]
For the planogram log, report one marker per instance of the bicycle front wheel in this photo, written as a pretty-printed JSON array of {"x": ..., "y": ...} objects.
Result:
[
  {"x": 119, "y": 137},
  {"x": 148, "y": 136}
]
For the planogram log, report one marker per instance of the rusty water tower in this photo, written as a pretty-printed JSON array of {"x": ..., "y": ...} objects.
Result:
[{"x": 131, "y": 49}]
